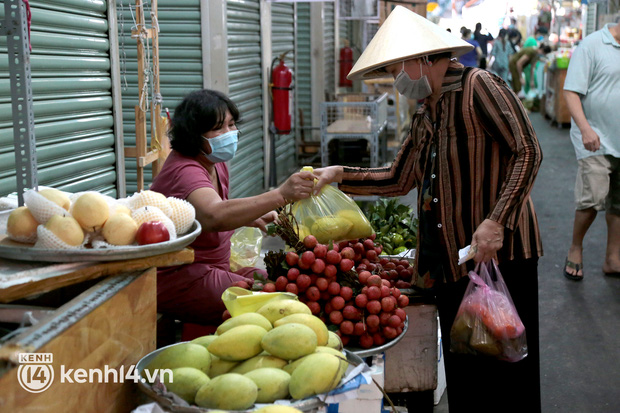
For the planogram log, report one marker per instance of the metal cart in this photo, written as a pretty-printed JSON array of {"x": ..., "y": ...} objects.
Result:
[{"x": 352, "y": 117}]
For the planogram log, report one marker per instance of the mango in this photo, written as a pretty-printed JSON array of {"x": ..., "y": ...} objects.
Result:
[
  {"x": 360, "y": 227},
  {"x": 272, "y": 384},
  {"x": 315, "y": 323},
  {"x": 290, "y": 341},
  {"x": 290, "y": 367},
  {"x": 244, "y": 319},
  {"x": 330, "y": 228},
  {"x": 219, "y": 366},
  {"x": 275, "y": 408},
  {"x": 204, "y": 340},
  {"x": 227, "y": 392},
  {"x": 185, "y": 382},
  {"x": 277, "y": 309},
  {"x": 302, "y": 231},
  {"x": 260, "y": 361},
  {"x": 238, "y": 343},
  {"x": 181, "y": 355},
  {"x": 318, "y": 373},
  {"x": 334, "y": 341}
]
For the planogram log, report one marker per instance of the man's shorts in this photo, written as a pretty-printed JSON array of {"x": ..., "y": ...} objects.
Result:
[{"x": 598, "y": 183}]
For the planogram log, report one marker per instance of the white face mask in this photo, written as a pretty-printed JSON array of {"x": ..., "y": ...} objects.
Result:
[
  {"x": 413, "y": 89},
  {"x": 223, "y": 147}
]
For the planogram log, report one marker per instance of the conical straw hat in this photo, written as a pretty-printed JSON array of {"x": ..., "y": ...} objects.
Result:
[{"x": 404, "y": 35}]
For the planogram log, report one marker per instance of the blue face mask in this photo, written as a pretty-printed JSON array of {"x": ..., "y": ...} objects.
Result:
[
  {"x": 223, "y": 147},
  {"x": 540, "y": 38}
]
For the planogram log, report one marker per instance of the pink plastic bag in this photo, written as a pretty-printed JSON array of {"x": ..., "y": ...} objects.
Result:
[{"x": 487, "y": 321}]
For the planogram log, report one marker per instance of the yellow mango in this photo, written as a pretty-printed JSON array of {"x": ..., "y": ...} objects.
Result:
[
  {"x": 181, "y": 355},
  {"x": 277, "y": 309},
  {"x": 238, "y": 343},
  {"x": 334, "y": 341},
  {"x": 315, "y": 323},
  {"x": 318, "y": 373},
  {"x": 360, "y": 227},
  {"x": 277, "y": 408},
  {"x": 244, "y": 319},
  {"x": 228, "y": 392},
  {"x": 185, "y": 382},
  {"x": 290, "y": 341},
  {"x": 219, "y": 366},
  {"x": 330, "y": 228},
  {"x": 272, "y": 384},
  {"x": 257, "y": 362}
]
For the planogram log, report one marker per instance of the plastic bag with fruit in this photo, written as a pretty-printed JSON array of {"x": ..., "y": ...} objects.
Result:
[
  {"x": 245, "y": 246},
  {"x": 330, "y": 216},
  {"x": 487, "y": 321}
]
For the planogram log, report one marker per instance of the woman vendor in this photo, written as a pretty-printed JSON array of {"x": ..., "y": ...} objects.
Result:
[{"x": 203, "y": 138}]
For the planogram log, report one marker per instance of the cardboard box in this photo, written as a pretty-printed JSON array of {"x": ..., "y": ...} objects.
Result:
[{"x": 369, "y": 398}]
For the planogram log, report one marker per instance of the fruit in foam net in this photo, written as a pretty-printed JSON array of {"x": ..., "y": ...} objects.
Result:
[
  {"x": 21, "y": 225},
  {"x": 57, "y": 197},
  {"x": 91, "y": 210},
  {"x": 67, "y": 229},
  {"x": 120, "y": 229},
  {"x": 152, "y": 198},
  {"x": 182, "y": 214}
]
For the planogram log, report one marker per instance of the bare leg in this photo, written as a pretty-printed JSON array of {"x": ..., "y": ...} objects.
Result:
[
  {"x": 583, "y": 220},
  {"x": 612, "y": 255}
]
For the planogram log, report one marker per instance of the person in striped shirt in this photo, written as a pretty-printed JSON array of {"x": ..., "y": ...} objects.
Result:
[{"x": 473, "y": 155}]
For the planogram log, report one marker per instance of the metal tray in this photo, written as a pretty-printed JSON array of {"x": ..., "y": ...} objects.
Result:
[
  {"x": 17, "y": 251},
  {"x": 366, "y": 352},
  {"x": 306, "y": 405}
]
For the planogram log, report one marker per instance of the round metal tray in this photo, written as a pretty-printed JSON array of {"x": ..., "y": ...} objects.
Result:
[
  {"x": 366, "y": 352},
  {"x": 18, "y": 251},
  {"x": 305, "y": 405}
]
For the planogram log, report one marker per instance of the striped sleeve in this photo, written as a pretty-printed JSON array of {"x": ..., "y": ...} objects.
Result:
[
  {"x": 395, "y": 180},
  {"x": 505, "y": 119}
]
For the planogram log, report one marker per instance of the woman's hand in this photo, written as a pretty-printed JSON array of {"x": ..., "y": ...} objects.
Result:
[
  {"x": 487, "y": 240},
  {"x": 326, "y": 176},
  {"x": 265, "y": 220},
  {"x": 297, "y": 186}
]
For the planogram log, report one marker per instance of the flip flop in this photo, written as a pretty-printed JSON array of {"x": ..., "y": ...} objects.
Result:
[
  {"x": 574, "y": 266},
  {"x": 612, "y": 274}
]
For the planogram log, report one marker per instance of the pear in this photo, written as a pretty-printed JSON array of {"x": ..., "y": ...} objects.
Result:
[
  {"x": 57, "y": 197},
  {"x": 120, "y": 229},
  {"x": 21, "y": 225},
  {"x": 121, "y": 209},
  {"x": 66, "y": 228},
  {"x": 91, "y": 210}
]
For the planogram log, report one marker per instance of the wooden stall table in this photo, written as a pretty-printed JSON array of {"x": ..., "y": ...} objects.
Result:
[{"x": 103, "y": 323}]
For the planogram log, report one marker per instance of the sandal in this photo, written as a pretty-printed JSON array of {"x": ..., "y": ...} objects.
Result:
[{"x": 574, "y": 266}]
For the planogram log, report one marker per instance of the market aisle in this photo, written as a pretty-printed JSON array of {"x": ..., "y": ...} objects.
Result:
[{"x": 579, "y": 321}]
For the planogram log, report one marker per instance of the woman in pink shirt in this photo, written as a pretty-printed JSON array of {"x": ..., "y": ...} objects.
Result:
[{"x": 203, "y": 138}]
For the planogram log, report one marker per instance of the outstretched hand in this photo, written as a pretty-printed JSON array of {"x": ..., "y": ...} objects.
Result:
[
  {"x": 327, "y": 175},
  {"x": 487, "y": 240},
  {"x": 265, "y": 220},
  {"x": 297, "y": 186}
]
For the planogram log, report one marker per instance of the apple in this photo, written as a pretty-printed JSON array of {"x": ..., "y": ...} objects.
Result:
[{"x": 152, "y": 232}]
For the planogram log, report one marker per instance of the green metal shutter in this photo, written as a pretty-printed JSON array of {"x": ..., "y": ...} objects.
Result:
[
  {"x": 329, "y": 44},
  {"x": 282, "y": 41},
  {"x": 247, "y": 171},
  {"x": 72, "y": 98},
  {"x": 303, "y": 70},
  {"x": 180, "y": 66}
]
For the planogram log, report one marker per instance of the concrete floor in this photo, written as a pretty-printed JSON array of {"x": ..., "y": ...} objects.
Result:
[{"x": 579, "y": 321}]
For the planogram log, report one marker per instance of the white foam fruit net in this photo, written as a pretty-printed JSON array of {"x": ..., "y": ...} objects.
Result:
[
  {"x": 41, "y": 208},
  {"x": 152, "y": 213},
  {"x": 30, "y": 239},
  {"x": 150, "y": 198},
  {"x": 183, "y": 214},
  {"x": 46, "y": 239}
]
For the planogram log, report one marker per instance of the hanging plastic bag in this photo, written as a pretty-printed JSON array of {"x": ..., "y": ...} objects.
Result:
[
  {"x": 487, "y": 321},
  {"x": 330, "y": 216},
  {"x": 245, "y": 246}
]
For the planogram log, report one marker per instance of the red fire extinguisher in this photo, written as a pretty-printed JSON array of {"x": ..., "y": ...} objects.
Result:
[
  {"x": 346, "y": 64},
  {"x": 281, "y": 78}
]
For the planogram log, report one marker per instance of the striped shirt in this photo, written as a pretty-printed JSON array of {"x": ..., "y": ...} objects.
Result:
[{"x": 487, "y": 156}]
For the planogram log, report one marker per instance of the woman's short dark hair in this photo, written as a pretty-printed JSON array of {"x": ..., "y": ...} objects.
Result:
[{"x": 199, "y": 112}]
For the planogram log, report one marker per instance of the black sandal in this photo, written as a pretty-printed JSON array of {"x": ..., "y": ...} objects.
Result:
[{"x": 574, "y": 266}]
